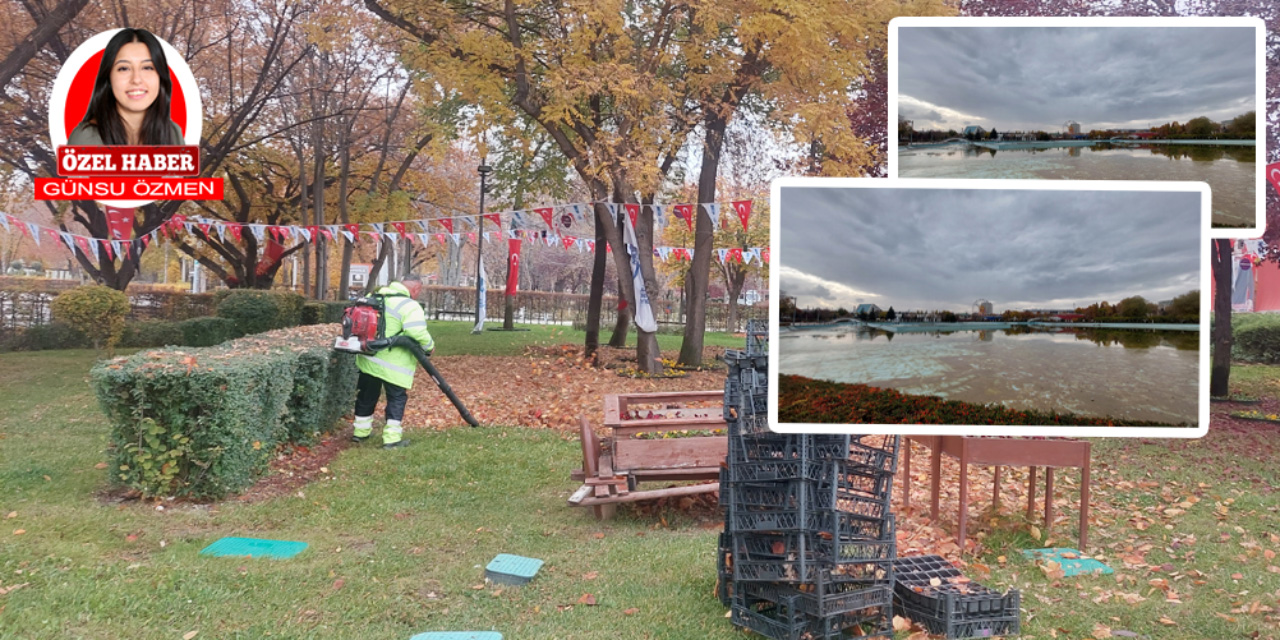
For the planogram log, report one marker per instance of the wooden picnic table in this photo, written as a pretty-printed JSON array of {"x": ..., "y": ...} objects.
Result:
[
  {"x": 612, "y": 469},
  {"x": 1003, "y": 452}
]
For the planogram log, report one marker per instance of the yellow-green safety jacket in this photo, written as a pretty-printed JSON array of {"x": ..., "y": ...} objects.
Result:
[{"x": 403, "y": 315}]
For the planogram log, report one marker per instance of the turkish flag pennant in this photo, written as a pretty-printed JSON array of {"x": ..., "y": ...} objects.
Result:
[
  {"x": 204, "y": 228},
  {"x": 146, "y": 242},
  {"x": 440, "y": 238},
  {"x": 685, "y": 211},
  {"x": 736, "y": 254},
  {"x": 495, "y": 219},
  {"x": 399, "y": 226},
  {"x": 447, "y": 223},
  {"x": 235, "y": 231},
  {"x": 743, "y": 209},
  {"x": 513, "y": 266},
  {"x": 327, "y": 234},
  {"x": 106, "y": 246},
  {"x": 354, "y": 229},
  {"x": 471, "y": 237},
  {"x": 567, "y": 241},
  {"x": 119, "y": 223},
  {"x": 547, "y": 213},
  {"x": 633, "y": 210},
  {"x": 314, "y": 230},
  {"x": 407, "y": 236},
  {"x": 765, "y": 255},
  {"x": 1273, "y": 174},
  {"x": 83, "y": 244}
]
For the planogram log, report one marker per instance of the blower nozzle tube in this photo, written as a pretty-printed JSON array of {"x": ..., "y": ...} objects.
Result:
[{"x": 425, "y": 360}]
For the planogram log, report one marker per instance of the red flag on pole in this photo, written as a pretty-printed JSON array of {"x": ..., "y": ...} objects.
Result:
[
  {"x": 513, "y": 266},
  {"x": 119, "y": 223},
  {"x": 1273, "y": 175},
  {"x": 633, "y": 210}
]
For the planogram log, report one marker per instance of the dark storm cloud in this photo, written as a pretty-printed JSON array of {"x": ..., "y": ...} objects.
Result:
[
  {"x": 1028, "y": 78},
  {"x": 946, "y": 248}
]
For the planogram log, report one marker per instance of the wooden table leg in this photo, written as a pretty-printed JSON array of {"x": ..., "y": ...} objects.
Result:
[
  {"x": 935, "y": 482},
  {"x": 1048, "y": 501},
  {"x": 1084, "y": 504},
  {"x": 995, "y": 492},
  {"x": 964, "y": 496},
  {"x": 1031, "y": 494}
]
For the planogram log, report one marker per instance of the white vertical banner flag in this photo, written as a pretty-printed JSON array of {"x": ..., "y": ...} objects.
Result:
[
  {"x": 480, "y": 304},
  {"x": 713, "y": 211},
  {"x": 644, "y": 312}
]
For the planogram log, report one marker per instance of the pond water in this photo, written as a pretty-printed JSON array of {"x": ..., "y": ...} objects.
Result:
[
  {"x": 1231, "y": 171},
  {"x": 1126, "y": 373}
]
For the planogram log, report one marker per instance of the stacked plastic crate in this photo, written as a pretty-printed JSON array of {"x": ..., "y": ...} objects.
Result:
[
  {"x": 934, "y": 593},
  {"x": 808, "y": 546}
]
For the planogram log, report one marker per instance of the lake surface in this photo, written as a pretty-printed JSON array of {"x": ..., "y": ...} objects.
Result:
[
  {"x": 1129, "y": 374},
  {"x": 1231, "y": 171}
]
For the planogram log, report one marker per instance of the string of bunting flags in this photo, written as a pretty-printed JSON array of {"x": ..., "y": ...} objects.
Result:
[{"x": 522, "y": 224}]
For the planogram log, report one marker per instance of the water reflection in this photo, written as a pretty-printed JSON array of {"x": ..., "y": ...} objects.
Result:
[{"x": 1124, "y": 338}]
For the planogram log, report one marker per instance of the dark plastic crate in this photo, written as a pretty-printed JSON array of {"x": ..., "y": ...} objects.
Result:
[
  {"x": 782, "y": 620},
  {"x": 782, "y": 546},
  {"x": 738, "y": 404},
  {"x": 851, "y": 478},
  {"x": 793, "y": 446},
  {"x": 954, "y": 609},
  {"x": 739, "y": 360},
  {"x": 748, "y": 424},
  {"x": 797, "y": 494},
  {"x": 834, "y": 523},
  {"x": 724, "y": 570},
  {"x": 832, "y": 599}
]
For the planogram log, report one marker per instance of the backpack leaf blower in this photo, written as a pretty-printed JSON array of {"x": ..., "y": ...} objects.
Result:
[{"x": 364, "y": 332}]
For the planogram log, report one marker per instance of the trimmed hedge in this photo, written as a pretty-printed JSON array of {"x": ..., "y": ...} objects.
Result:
[
  {"x": 97, "y": 311},
  {"x": 207, "y": 332},
  {"x": 203, "y": 423},
  {"x": 314, "y": 312},
  {"x": 255, "y": 311},
  {"x": 1258, "y": 343},
  {"x": 151, "y": 333},
  {"x": 54, "y": 335}
]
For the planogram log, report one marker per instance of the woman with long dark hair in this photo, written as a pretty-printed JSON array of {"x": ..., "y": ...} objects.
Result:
[{"x": 130, "y": 101}]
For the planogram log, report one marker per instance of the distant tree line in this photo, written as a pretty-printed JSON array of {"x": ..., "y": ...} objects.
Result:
[{"x": 1182, "y": 309}]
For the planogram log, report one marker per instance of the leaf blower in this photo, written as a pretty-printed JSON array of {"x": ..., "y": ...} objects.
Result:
[{"x": 364, "y": 331}]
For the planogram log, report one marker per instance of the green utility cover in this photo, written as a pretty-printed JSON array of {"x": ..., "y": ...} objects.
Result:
[
  {"x": 509, "y": 569},
  {"x": 1080, "y": 565},
  {"x": 254, "y": 548}
]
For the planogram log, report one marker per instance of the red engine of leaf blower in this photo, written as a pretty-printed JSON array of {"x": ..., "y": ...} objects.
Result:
[{"x": 362, "y": 323}]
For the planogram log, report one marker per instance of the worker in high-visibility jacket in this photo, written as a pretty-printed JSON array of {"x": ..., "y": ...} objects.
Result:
[{"x": 392, "y": 369}]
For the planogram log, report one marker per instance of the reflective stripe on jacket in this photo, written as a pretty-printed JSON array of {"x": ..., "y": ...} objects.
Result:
[{"x": 403, "y": 315}]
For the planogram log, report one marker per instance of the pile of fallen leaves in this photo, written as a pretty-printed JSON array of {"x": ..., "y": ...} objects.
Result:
[{"x": 549, "y": 388}]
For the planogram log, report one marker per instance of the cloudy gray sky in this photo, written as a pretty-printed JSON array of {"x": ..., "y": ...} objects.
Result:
[
  {"x": 940, "y": 249},
  {"x": 1036, "y": 78}
]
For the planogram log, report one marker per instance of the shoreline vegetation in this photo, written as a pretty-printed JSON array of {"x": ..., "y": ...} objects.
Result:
[{"x": 807, "y": 400}]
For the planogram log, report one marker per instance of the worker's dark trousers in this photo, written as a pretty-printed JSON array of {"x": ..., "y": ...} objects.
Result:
[{"x": 368, "y": 388}]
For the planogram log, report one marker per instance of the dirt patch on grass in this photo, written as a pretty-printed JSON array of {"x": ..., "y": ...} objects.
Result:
[{"x": 295, "y": 466}]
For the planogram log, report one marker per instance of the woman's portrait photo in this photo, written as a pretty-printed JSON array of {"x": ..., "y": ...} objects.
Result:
[{"x": 132, "y": 94}]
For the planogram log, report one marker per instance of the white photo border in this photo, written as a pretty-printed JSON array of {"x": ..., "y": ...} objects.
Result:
[{"x": 775, "y": 299}]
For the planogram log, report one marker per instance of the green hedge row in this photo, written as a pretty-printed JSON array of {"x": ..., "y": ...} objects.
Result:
[
  {"x": 203, "y": 423},
  {"x": 240, "y": 313}
]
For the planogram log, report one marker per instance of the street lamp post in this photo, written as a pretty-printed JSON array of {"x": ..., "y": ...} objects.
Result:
[{"x": 484, "y": 170}]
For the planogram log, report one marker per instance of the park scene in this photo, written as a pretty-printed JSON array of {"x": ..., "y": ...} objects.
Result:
[
  {"x": 895, "y": 331},
  {"x": 573, "y": 199},
  {"x": 1083, "y": 103}
]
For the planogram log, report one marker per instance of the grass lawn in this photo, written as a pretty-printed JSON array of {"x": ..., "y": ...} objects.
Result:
[
  {"x": 398, "y": 539},
  {"x": 455, "y": 338}
]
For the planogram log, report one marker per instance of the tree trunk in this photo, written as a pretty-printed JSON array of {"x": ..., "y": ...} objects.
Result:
[
  {"x": 303, "y": 211},
  {"x": 322, "y": 282},
  {"x": 595, "y": 301},
  {"x": 1220, "y": 371},
  {"x": 622, "y": 323},
  {"x": 695, "y": 324},
  {"x": 344, "y": 173}
]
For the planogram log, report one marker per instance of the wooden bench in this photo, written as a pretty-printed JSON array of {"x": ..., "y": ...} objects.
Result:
[{"x": 613, "y": 468}]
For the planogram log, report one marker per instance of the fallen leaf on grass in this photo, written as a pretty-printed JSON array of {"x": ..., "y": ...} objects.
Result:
[
  {"x": 337, "y": 584},
  {"x": 1034, "y": 531},
  {"x": 1101, "y": 631},
  {"x": 477, "y": 587},
  {"x": 8, "y": 590},
  {"x": 12, "y": 514},
  {"x": 1167, "y": 622},
  {"x": 18, "y": 532},
  {"x": 100, "y": 465},
  {"x": 631, "y": 612},
  {"x": 587, "y": 599},
  {"x": 1237, "y": 576},
  {"x": 591, "y": 575},
  {"x": 189, "y": 635}
]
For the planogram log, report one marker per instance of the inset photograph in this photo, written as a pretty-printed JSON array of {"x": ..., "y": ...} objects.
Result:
[
  {"x": 1045, "y": 308},
  {"x": 1084, "y": 99}
]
